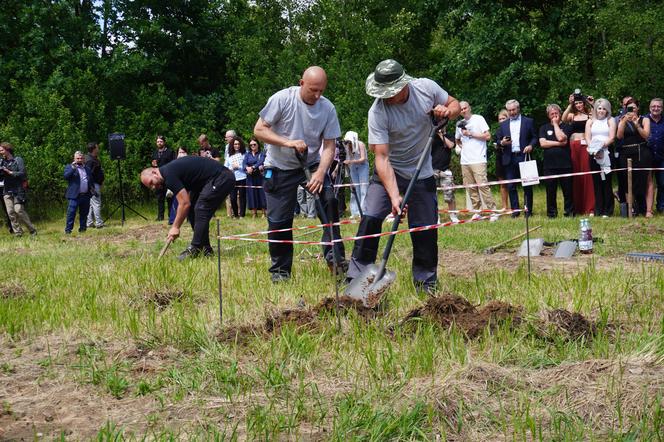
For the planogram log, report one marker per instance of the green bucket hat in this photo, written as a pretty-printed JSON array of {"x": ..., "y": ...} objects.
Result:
[{"x": 387, "y": 79}]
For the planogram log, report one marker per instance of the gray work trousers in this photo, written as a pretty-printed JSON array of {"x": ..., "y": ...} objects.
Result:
[
  {"x": 94, "y": 214},
  {"x": 17, "y": 214}
]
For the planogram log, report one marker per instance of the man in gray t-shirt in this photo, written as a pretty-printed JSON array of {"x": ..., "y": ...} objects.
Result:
[
  {"x": 399, "y": 127},
  {"x": 298, "y": 119}
]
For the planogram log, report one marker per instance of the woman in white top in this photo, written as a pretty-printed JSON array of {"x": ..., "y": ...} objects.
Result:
[
  {"x": 234, "y": 161},
  {"x": 356, "y": 159},
  {"x": 600, "y": 133}
]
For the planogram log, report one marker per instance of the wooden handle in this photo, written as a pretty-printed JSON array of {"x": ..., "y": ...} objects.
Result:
[{"x": 163, "y": 249}]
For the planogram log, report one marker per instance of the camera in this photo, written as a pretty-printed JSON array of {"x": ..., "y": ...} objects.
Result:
[
  {"x": 461, "y": 124},
  {"x": 578, "y": 96},
  {"x": 341, "y": 148},
  {"x": 630, "y": 109}
]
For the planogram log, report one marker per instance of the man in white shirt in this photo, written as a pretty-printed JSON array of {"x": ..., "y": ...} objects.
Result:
[{"x": 472, "y": 133}]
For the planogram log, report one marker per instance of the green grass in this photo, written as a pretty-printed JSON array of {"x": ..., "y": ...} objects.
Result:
[{"x": 84, "y": 315}]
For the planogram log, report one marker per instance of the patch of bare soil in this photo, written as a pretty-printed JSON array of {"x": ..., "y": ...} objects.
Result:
[
  {"x": 565, "y": 324},
  {"x": 451, "y": 310},
  {"x": 589, "y": 389},
  {"x": 12, "y": 290},
  {"x": 304, "y": 319},
  {"x": 465, "y": 264},
  {"x": 161, "y": 298}
]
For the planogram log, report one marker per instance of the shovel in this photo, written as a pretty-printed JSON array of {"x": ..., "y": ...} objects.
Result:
[{"x": 370, "y": 286}]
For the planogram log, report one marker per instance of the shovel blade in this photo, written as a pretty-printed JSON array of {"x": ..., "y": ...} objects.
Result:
[{"x": 367, "y": 288}]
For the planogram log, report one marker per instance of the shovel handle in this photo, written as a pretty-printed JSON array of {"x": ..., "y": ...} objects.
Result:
[{"x": 163, "y": 249}]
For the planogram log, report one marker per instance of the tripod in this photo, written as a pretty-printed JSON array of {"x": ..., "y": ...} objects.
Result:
[{"x": 122, "y": 204}]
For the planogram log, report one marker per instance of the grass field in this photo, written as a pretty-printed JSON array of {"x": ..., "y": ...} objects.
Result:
[{"x": 99, "y": 339}]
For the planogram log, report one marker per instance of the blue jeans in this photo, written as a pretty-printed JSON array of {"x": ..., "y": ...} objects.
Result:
[
  {"x": 359, "y": 173},
  {"x": 82, "y": 203}
]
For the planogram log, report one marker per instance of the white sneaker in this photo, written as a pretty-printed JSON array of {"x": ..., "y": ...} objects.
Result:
[
  {"x": 493, "y": 218},
  {"x": 454, "y": 218},
  {"x": 475, "y": 217}
]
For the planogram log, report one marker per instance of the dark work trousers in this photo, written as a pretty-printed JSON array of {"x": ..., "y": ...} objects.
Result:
[
  {"x": 641, "y": 157},
  {"x": 552, "y": 189},
  {"x": 4, "y": 210},
  {"x": 512, "y": 172},
  {"x": 161, "y": 202},
  {"x": 603, "y": 187},
  {"x": 422, "y": 211},
  {"x": 659, "y": 180},
  {"x": 82, "y": 203},
  {"x": 281, "y": 196},
  {"x": 204, "y": 204},
  {"x": 242, "y": 193}
]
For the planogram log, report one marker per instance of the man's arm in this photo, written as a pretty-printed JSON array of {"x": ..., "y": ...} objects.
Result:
[
  {"x": 386, "y": 175},
  {"x": 264, "y": 132},
  {"x": 69, "y": 171},
  {"x": 449, "y": 110},
  {"x": 184, "y": 204},
  {"x": 326, "y": 158}
]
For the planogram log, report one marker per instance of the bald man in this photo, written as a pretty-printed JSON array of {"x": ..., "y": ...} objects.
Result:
[{"x": 298, "y": 119}]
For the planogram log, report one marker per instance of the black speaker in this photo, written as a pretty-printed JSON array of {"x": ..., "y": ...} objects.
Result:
[{"x": 116, "y": 146}]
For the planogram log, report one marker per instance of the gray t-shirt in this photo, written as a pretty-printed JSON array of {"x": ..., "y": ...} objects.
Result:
[
  {"x": 294, "y": 119},
  {"x": 406, "y": 127}
]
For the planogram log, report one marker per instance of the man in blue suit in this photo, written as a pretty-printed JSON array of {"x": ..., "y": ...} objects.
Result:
[
  {"x": 79, "y": 190},
  {"x": 518, "y": 138}
]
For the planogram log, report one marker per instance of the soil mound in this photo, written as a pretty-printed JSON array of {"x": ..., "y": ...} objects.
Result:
[
  {"x": 565, "y": 324},
  {"x": 12, "y": 290},
  {"x": 162, "y": 299},
  {"x": 302, "y": 318},
  {"x": 452, "y": 310},
  {"x": 346, "y": 303}
]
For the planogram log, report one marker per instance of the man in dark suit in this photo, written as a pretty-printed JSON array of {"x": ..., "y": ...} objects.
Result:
[
  {"x": 79, "y": 190},
  {"x": 518, "y": 137}
]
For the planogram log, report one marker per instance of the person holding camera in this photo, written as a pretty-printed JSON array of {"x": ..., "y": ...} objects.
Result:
[
  {"x": 656, "y": 144},
  {"x": 472, "y": 133},
  {"x": 634, "y": 130},
  {"x": 358, "y": 166},
  {"x": 517, "y": 138},
  {"x": 161, "y": 156},
  {"x": 294, "y": 124},
  {"x": 12, "y": 171},
  {"x": 553, "y": 137},
  {"x": 399, "y": 127},
  {"x": 79, "y": 191},
  {"x": 206, "y": 150},
  {"x": 577, "y": 115},
  {"x": 92, "y": 161},
  {"x": 253, "y": 165}
]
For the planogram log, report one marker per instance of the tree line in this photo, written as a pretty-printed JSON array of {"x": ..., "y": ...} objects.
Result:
[{"x": 73, "y": 71}]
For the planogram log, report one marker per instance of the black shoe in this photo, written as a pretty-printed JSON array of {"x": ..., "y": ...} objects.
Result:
[
  {"x": 189, "y": 252},
  {"x": 33, "y": 233},
  {"x": 208, "y": 251},
  {"x": 427, "y": 288},
  {"x": 279, "y": 277}
]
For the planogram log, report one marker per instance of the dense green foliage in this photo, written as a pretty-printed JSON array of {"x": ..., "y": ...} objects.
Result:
[{"x": 75, "y": 70}]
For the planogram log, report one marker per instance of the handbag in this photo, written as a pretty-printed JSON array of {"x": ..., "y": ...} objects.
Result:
[{"x": 528, "y": 171}]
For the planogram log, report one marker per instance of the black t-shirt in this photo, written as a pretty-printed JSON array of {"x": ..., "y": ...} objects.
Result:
[
  {"x": 163, "y": 157},
  {"x": 214, "y": 152},
  {"x": 556, "y": 157},
  {"x": 190, "y": 173},
  {"x": 440, "y": 154}
]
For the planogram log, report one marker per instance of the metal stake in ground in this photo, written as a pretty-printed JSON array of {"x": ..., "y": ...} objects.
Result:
[
  {"x": 527, "y": 215},
  {"x": 326, "y": 220},
  {"x": 221, "y": 299}
]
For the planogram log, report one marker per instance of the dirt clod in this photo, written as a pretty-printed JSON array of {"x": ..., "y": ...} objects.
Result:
[
  {"x": 12, "y": 290},
  {"x": 162, "y": 299},
  {"x": 565, "y": 324},
  {"x": 301, "y": 318},
  {"x": 451, "y": 310},
  {"x": 346, "y": 303}
]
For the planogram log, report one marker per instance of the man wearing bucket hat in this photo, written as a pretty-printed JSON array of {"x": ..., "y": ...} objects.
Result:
[{"x": 399, "y": 128}]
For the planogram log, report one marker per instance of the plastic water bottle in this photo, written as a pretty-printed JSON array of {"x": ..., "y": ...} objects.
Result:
[{"x": 585, "y": 237}]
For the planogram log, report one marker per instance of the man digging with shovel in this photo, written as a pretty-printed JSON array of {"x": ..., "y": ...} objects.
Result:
[
  {"x": 200, "y": 186},
  {"x": 400, "y": 133}
]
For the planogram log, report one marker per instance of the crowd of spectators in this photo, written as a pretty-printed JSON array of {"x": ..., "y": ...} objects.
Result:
[{"x": 587, "y": 136}]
